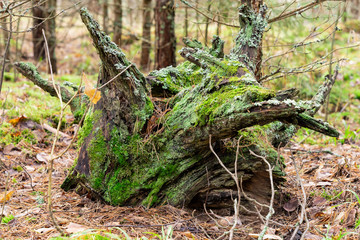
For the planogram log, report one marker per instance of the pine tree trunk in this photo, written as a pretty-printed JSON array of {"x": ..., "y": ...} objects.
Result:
[
  {"x": 118, "y": 22},
  {"x": 105, "y": 15},
  {"x": 186, "y": 22},
  {"x": 39, "y": 14},
  {"x": 51, "y": 33},
  {"x": 207, "y": 23},
  {"x": 165, "y": 34},
  {"x": 146, "y": 36}
]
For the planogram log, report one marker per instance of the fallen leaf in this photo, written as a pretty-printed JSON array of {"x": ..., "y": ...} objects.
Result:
[
  {"x": 189, "y": 235},
  {"x": 93, "y": 94},
  {"x": 323, "y": 184},
  {"x": 11, "y": 150},
  {"x": 266, "y": 236},
  {"x": 39, "y": 135},
  {"x": 15, "y": 121},
  {"x": 42, "y": 157},
  {"x": 74, "y": 228},
  {"x": 319, "y": 201},
  {"x": 291, "y": 205},
  {"x": 309, "y": 236},
  {"x": 7, "y": 197},
  {"x": 44, "y": 230}
]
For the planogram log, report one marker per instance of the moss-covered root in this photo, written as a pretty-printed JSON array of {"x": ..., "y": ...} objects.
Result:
[
  {"x": 277, "y": 130},
  {"x": 31, "y": 73},
  {"x": 216, "y": 50}
]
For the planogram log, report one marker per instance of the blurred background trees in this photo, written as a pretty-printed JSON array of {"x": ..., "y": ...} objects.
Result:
[{"x": 295, "y": 52}]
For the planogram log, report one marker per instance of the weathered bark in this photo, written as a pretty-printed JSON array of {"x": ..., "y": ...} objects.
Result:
[
  {"x": 31, "y": 73},
  {"x": 137, "y": 151},
  {"x": 39, "y": 14},
  {"x": 146, "y": 36},
  {"x": 118, "y": 22},
  {"x": 165, "y": 34}
]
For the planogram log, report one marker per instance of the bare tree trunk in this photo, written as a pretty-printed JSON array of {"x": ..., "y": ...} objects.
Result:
[
  {"x": 186, "y": 22},
  {"x": 5, "y": 39},
  {"x": 146, "y": 36},
  {"x": 197, "y": 19},
  {"x": 118, "y": 22},
  {"x": 130, "y": 12},
  {"x": 51, "y": 33},
  {"x": 355, "y": 8},
  {"x": 39, "y": 14},
  {"x": 105, "y": 7},
  {"x": 165, "y": 34},
  {"x": 207, "y": 23}
]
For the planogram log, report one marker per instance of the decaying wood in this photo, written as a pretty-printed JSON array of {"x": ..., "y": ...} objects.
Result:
[{"x": 138, "y": 151}]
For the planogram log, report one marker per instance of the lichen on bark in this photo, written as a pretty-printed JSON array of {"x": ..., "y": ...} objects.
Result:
[{"x": 146, "y": 141}]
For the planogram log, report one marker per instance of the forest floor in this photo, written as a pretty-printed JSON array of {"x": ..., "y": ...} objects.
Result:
[{"x": 329, "y": 169}]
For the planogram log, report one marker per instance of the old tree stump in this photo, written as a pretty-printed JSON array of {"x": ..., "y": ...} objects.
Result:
[{"x": 146, "y": 142}]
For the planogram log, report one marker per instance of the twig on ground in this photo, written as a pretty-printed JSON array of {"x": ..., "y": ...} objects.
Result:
[
  {"x": 330, "y": 65},
  {"x": 51, "y": 161},
  {"x": 234, "y": 176},
  {"x": 303, "y": 206},
  {"x": 54, "y": 131},
  {"x": 23, "y": 167}
]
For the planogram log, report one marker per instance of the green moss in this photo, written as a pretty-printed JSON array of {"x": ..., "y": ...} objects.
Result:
[
  {"x": 87, "y": 127},
  {"x": 216, "y": 103},
  {"x": 12, "y": 135},
  {"x": 18, "y": 168},
  {"x": 97, "y": 153},
  {"x": 9, "y": 76},
  {"x": 175, "y": 79}
]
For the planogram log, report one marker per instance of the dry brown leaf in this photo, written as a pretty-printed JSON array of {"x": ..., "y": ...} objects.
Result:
[
  {"x": 7, "y": 197},
  {"x": 189, "y": 235},
  {"x": 15, "y": 121},
  {"x": 74, "y": 228},
  {"x": 93, "y": 94},
  {"x": 291, "y": 205},
  {"x": 266, "y": 236},
  {"x": 44, "y": 230},
  {"x": 318, "y": 201}
]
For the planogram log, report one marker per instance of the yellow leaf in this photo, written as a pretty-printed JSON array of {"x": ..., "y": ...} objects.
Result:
[
  {"x": 15, "y": 121},
  {"x": 93, "y": 94},
  {"x": 7, "y": 197}
]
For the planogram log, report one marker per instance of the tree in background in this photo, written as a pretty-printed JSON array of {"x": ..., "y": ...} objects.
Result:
[
  {"x": 51, "y": 33},
  {"x": 39, "y": 14},
  {"x": 355, "y": 8},
  {"x": 165, "y": 46},
  {"x": 146, "y": 36},
  {"x": 105, "y": 15},
  {"x": 118, "y": 19}
]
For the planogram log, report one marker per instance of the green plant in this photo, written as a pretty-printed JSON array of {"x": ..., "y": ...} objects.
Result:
[
  {"x": 164, "y": 235},
  {"x": 11, "y": 135},
  {"x": 7, "y": 219}
]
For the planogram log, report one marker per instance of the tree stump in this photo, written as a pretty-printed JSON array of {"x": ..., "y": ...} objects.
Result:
[{"x": 146, "y": 142}]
